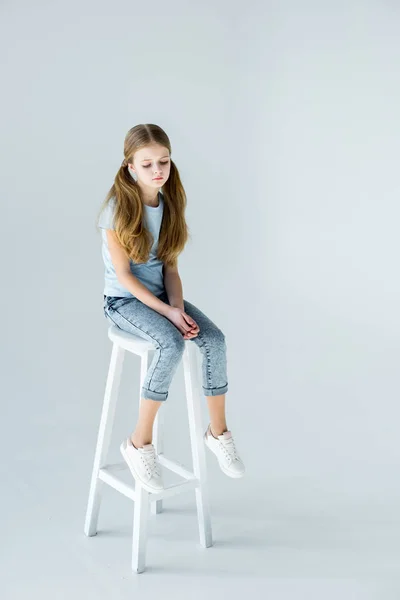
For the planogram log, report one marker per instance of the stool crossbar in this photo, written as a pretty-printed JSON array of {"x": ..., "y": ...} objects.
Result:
[{"x": 104, "y": 473}]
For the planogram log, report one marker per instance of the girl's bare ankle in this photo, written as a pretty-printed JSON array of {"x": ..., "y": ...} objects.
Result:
[{"x": 138, "y": 443}]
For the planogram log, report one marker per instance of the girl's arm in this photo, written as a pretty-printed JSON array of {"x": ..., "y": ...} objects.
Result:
[{"x": 173, "y": 286}]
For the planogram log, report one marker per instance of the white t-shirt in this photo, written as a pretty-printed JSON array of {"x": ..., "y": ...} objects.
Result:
[{"x": 150, "y": 273}]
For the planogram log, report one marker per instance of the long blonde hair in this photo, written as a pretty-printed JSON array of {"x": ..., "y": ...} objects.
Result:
[{"x": 129, "y": 212}]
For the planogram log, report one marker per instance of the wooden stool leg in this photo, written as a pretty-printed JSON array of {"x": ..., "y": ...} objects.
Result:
[
  {"x": 193, "y": 397},
  {"x": 104, "y": 437}
]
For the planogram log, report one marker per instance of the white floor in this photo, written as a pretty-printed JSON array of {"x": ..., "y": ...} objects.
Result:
[{"x": 281, "y": 538}]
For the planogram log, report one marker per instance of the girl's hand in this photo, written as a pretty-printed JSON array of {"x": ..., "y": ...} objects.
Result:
[
  {"x": 192, "y": 333},
  {"x": 186, "y": 325}
]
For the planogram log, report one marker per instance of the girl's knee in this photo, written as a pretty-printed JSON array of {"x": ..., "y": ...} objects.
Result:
[
  {"x": 216, "y": 337},
  {"x": 176, "y": 343},
  {"x": 219, "y": 336}
]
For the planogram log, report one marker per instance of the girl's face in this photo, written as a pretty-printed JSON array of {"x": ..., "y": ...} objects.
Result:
[{"x": 151, "y": 165}]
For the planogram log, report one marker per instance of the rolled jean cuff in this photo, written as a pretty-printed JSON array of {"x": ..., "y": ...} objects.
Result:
[
  {"x": 215, "y": 391},
  {"x": 149, "y": 395}
]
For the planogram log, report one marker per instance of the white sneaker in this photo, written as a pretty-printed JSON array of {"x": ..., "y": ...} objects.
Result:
[
  {"x": 143, "y": 465},
  {"x": 225, "y": 450}
]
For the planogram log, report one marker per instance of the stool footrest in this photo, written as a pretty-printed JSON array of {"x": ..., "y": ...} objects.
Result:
[
  {"x": 176, "y": 467},
  {"x": 109, "y": 474}
]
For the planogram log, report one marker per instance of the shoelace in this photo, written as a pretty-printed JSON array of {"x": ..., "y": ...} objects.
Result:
[
  {"x": 150, "y": 461},
  {"x": 230, "y": 449}
]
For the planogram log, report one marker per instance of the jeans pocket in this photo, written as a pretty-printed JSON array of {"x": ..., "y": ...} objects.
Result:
[{"x": 112, "y": 303}]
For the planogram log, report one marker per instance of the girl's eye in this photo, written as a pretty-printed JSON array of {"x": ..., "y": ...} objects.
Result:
[{"x": 163, "y": 163}]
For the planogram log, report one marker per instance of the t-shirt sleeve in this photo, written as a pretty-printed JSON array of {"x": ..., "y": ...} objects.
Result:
[{"x": 106, "y": 219}]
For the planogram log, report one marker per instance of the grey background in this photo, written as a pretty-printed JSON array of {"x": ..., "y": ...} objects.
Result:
[{"x": 285, "y": 126}]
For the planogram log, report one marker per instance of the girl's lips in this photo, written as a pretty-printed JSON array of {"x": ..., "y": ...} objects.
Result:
[{"x": 157, "y": 178}]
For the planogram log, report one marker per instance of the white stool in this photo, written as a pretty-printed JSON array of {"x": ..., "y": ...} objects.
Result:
[{"x": 108, "y": 473}]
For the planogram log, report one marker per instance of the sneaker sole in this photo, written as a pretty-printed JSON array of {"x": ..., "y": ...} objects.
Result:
[
  {"x": 136, "y": 476},
  {"x": 229, "y": 473}
]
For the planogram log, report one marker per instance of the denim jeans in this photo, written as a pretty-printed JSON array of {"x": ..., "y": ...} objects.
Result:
[{"x": 132, "y": 315}]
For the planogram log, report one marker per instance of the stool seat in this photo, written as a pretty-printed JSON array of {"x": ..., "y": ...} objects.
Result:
[
  {"x": 110, "y": 474},
  {"x": 129, "y": 341}
]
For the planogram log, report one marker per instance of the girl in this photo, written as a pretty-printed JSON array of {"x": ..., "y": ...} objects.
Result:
[{"x": 143, "y": 232}]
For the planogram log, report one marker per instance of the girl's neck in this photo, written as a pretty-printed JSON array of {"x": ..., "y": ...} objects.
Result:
[
  {"x": 149, "y": 197},
  {"x": 153, "y": 201}
]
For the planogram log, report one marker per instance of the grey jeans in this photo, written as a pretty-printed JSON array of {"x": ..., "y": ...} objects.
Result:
[{"x": 132, "y": 315}]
